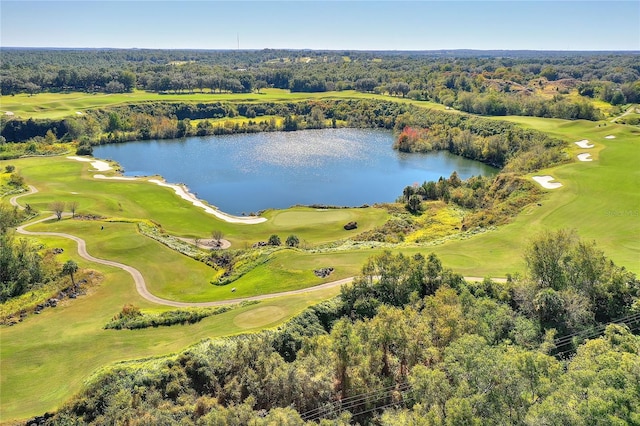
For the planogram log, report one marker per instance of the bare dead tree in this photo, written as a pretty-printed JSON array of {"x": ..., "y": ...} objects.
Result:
[{"x": 57, "y": 207}]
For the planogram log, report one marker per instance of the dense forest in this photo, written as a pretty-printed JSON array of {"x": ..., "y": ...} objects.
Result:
[
  {"x": 409, "y": 342},
  {"x": 544, "y": 84}
]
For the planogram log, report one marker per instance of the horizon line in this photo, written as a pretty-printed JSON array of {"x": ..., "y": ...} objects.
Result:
[{"x": 318, "y": 49}]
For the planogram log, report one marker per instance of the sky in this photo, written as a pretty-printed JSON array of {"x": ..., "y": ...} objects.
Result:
[{"x": 328, "y": 24}]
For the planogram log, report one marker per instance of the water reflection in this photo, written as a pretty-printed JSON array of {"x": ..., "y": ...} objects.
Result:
[{"x": 247, "y": 173}]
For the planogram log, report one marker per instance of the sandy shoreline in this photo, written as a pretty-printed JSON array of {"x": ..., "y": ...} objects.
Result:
[
  {"x": 184, "y": 193},
  {"x": 181, "y": 190}
]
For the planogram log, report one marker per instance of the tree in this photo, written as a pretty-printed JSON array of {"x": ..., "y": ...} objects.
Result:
[
  {"x": 115, "y": 123},
  {"x": 274, "y": 240},
  {"x": 31, "y": 88},
  {"x": 73, "y": 206},
  {"x": 128, "y": 80},
  {"x": 15, "y": 179},
  {"x": 292, "y": 241},
  {"x": 114, "y": 87},
  {"x": 69, "y": 268},
  {"x": 414, "y": 205},
  {"x": 545, "y": 256},
  {"x": 84, "y": 149},
  {"x": 259, "y": 85},
  {"x": 366, "y": 84},
  {"x": 57, "y": 207},
  {"x": 217, "y": 236},
  {"x": 289, "y": 124},
  {"x": 50, "y": 137},
  {"x": 317, "y": 118}
]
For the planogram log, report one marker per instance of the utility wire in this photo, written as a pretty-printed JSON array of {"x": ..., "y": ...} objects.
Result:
[{"x": 366, "y": 398}]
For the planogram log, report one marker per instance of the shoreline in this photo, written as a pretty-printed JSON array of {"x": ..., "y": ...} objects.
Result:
[{"x": 181, "y": 190}]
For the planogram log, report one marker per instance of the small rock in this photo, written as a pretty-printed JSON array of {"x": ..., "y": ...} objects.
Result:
[
  {"x": 351, "y": 225},
  {"x": 323, "y": 272}
]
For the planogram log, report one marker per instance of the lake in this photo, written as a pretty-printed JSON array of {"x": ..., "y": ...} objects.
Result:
[{"x": 252, "y": 172}]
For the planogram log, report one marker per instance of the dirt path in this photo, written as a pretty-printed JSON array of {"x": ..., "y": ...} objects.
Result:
[
  {"x": 141, "y": 286},
  {"x": 631, "y": 109}
]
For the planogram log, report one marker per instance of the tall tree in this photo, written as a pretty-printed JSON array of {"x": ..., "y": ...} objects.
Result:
[
  {"x": 73, "y": 206},
  {"x": 69, "y": 268}
]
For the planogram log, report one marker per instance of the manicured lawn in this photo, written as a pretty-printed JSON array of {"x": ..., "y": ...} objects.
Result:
[
  {"x": 599, "y": 199},
  {"x": 52, "y": 354}
]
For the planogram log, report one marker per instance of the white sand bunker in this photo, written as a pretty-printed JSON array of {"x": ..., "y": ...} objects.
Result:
[
  {"x": 186, "y": 195},
  {"x": 114, "y": 177},
  {"x": 584, "y": 144},
  {"x": 545, "y": 182},
  {"x": 9, "y": 113},
  {"x": 610, "y": 137},
  {"x": 585, "y": 157},
  {"x": 100, "y": 166},
  {"x": 78, "y": 113}
]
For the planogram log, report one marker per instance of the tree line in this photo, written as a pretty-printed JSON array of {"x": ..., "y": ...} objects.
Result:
[
  {"x": 409, "y": 342},
  {"x": 483, "y": 83}
]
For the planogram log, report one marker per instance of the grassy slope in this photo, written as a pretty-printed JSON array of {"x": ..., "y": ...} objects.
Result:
[
  {"x": 49, "y": 355},
  {"x": 46, "y": 359}
]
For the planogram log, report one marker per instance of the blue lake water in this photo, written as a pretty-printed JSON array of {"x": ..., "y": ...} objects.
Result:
[{"x": 252, "y": 172}]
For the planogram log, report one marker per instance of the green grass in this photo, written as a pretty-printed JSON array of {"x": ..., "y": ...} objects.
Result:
[
  {"x": 51, "y": 354},
  {"x": 60, "y": 105},
  {"x": 600, "y": 199}
]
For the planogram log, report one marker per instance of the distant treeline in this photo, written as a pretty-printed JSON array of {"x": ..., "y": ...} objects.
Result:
[
  {"x": 487, "y": 83},
  {"x": 490, "y": 141}
]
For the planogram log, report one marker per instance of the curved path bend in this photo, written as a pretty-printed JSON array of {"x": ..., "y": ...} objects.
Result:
[
  {"x": 141, "y": 286},
  {"x": 14, "y": 200}
]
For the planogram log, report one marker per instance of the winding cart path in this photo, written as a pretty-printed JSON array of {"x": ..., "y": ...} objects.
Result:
[{"x": 140, "y": 283}]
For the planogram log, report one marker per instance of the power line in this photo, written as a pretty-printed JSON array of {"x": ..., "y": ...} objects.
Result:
[{"x": 366, "y": 398}]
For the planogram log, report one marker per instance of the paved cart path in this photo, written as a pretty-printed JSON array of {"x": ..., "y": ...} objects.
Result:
[{"x": 141, "y": 285}]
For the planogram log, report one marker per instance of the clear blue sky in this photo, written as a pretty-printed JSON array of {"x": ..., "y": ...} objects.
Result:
[{"x": 336, "y": 25}]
